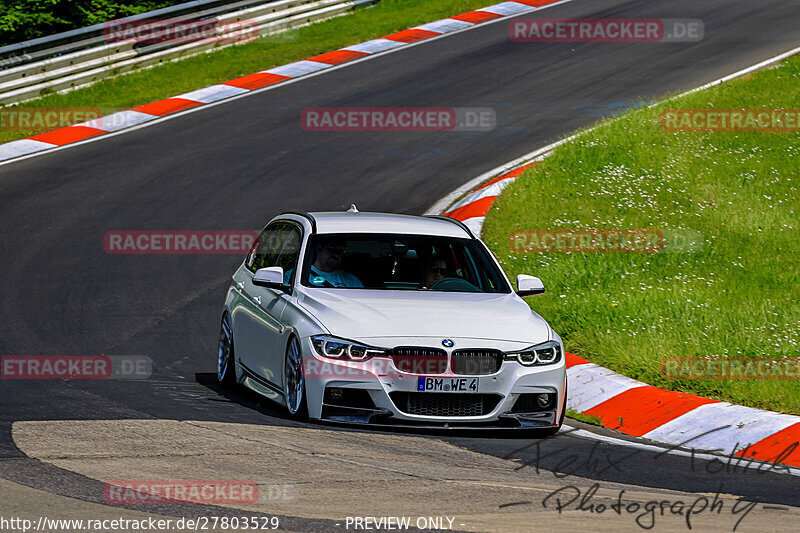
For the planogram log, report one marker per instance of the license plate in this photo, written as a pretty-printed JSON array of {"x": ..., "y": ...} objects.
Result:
[{"x": 447, "y": 384}]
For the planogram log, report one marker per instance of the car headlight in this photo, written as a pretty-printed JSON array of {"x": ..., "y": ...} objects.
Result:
[
  {"x": 547, "y": 353},
  {"x": 336, "y": 348}
]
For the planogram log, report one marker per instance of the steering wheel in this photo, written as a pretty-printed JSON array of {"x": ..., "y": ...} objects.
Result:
[{"x": 453, "y": 285}]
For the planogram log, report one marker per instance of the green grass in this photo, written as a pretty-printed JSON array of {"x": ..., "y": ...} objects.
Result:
[
  {"x": 589, "y": 419},
  {"x": 738, "y": 296},
  {"x": 149, "y": 85}
]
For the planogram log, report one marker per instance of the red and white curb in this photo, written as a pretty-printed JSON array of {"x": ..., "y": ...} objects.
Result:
[
  {"x": 274, "y": 76},
  {"x": 630, "y": 406},
  {"x": 472, "y": 209},
  {"x": 470, "y": 202},
  {"x": 678, "y": 418}
]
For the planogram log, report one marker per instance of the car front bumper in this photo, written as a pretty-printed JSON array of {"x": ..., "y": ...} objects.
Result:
[{"x": 376, "y": 392}]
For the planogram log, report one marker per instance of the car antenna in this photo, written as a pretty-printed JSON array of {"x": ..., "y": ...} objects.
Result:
[{"x": 353, "y": 209}]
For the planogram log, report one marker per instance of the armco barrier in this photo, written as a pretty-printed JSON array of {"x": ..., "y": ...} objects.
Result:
[{"x": 139, "y": 116}]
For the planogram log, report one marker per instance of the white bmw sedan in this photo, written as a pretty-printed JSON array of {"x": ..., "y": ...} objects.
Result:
[{"x": 389, "y": 319}]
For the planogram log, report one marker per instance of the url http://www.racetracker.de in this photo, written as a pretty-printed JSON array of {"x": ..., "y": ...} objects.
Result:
[{"x": 202, "y": 523}]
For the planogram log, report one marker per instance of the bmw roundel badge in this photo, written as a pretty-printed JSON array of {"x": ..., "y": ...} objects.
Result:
[{"x": 448, "y": 343}]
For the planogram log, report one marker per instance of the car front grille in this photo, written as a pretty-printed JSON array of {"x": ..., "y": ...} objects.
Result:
[
  {"x": 445, "y": 404},
  {"x": 476, "y": 361},
  {"x": 420, "y": 360}
]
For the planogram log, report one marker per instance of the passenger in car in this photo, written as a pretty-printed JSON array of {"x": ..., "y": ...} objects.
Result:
[{"x": 433, "y": 270}]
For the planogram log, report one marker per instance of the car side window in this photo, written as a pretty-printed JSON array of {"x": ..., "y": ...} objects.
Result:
[
  {"x": 290, "y": 251},
  {"x": 268, "y": 246}
]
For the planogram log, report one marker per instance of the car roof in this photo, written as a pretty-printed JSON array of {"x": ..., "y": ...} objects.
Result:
[{"x": 365, "y": 222}]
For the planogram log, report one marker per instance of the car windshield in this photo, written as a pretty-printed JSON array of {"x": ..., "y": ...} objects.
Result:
[{"x": 400, "y": 262}]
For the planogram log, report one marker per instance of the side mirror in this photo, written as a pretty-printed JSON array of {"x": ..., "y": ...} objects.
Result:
[
  {"x": 271, "y": 277},
  {"x": 529, "y": 285}
]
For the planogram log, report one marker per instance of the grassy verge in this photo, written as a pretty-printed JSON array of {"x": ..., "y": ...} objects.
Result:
[
  {"x": 575, "y": 415},
  {"x": 153, "y": 84},
  {"x": 736, "y": 297}
]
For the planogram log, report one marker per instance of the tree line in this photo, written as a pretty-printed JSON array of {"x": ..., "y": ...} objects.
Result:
[{"x": 21, "y": 20}]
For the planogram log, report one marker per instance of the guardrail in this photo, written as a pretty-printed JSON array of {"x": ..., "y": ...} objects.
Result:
[{"x": 81, "y": 57}]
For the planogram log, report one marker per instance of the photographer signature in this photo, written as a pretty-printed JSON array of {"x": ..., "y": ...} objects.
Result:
[
  {"x": 644, "y": 513},
  {"x": 738, "y": 461}
]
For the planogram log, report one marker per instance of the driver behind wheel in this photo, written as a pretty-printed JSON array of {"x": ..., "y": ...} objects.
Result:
[{"x": 325, "y": 271}]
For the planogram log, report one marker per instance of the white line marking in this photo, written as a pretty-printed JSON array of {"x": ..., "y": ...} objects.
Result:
[{"x": 730, "y": 77}]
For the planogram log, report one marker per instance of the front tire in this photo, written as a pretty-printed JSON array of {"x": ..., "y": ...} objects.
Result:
[
  {"x": 226, "y": 359},
  {"x": 294, "y": 380}
]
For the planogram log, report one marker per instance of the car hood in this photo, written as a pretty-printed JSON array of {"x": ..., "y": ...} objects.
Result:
[{"x": 363, "y": 314}]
